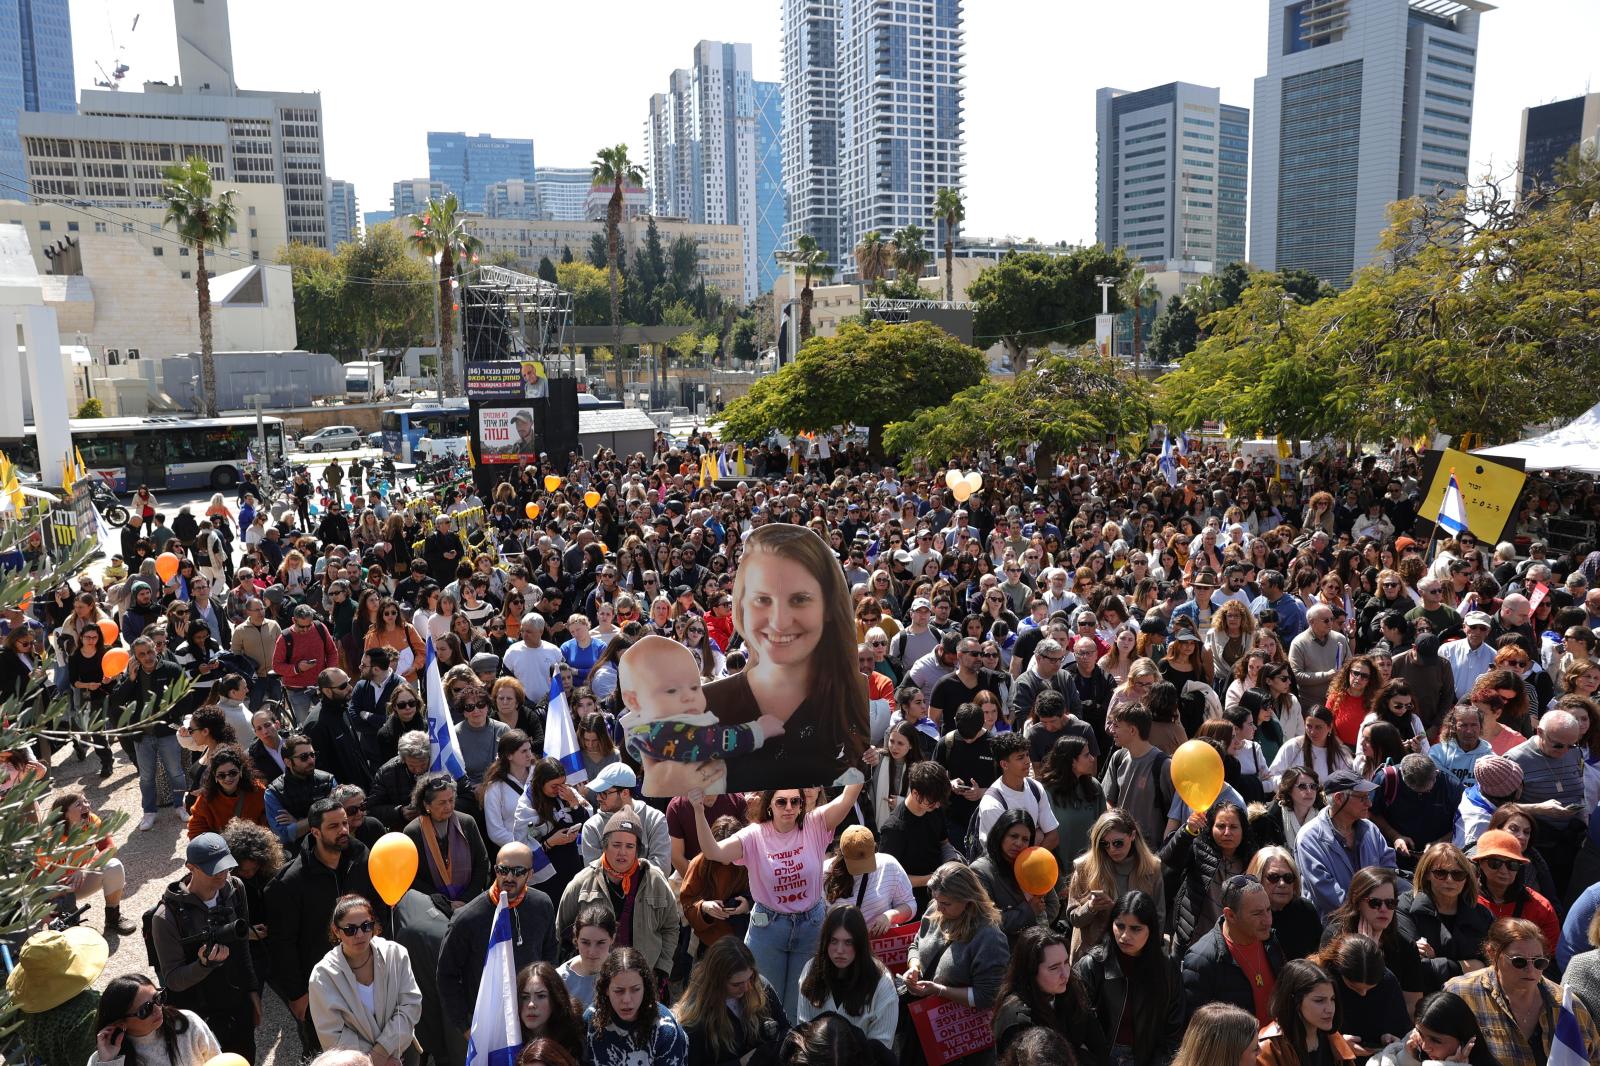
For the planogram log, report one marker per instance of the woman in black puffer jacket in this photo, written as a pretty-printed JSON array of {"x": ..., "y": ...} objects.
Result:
[
  {"x": 1207, "y": 850},
  {"x": 1135, "y": 988}
]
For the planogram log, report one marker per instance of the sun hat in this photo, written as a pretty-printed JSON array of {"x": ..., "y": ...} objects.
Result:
[
  {"x": 1498, "y": 844},
  {"x": 55, "y": 965}
]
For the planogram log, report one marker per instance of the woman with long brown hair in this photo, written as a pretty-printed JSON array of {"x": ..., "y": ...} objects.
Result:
[
  {"x": 1371, "y": 908},
  {"x": 1116, "y": 862},
  {"x": 392, "y": 631},
  {"x": 729, "y": 1009},
  {"x": 1351, "y": 696},
  {"x": 1503, "y": 699}
]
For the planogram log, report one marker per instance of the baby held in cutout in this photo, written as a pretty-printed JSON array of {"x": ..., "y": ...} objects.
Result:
[{"x": 666, "y": 718}]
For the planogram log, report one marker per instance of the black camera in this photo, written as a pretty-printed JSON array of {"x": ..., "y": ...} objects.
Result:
[
  {"x": 66, "y": 915},
  {"x": 223, "y": 930}
]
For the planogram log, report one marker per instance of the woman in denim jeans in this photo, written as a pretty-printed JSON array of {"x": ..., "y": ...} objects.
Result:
[{"x": 783, "y": 847}]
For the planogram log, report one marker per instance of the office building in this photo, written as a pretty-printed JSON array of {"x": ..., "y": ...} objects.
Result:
[
  {"x": 35, "y": 75},
  {"x": 597, "y": 201},
  {"x": 669, "y": 148},
  {"x": 115, "y": 150},
  {"x": 1364, "y": 102},
  {"x": 344, "y": 216},
  {"x": 375, "y": 218},
  {"x": 1172, "y": 175},
  {"x": 771, "y": 204},
  {"x": 1551, "y": 131},
  {"x": 467, "y": 166},
  {"x": 411, "y": 196},
  {"x": 562, "y": 192},
  {"x": 810, "y": 43},
  {"x": 720, "y": 249},
  {"x": 900, "y": 142},
  {"x": 512, "y": 198}
]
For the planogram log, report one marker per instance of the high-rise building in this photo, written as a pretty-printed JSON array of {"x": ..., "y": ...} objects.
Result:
[
  {"x": 1173, "y": 174},
  {"x": 413, "y": 194},
  {"x": 811, "y": 123},
  {"x": 469, "y": 165},
  {"x": 703, "y": 144},
  {"x": 562, "y": 191},
  {"x": 35, "y": 75},
  {"x": 344, "y": 216},
  {"x": 1550, "y": 131},
  {"x": 1364, "y": 102},
  {"x": 900, "y": 78},
  {"x": 205, "y": 47},
  {"x": 512, "y": 198},
  {"x": 771, "y": 204}
]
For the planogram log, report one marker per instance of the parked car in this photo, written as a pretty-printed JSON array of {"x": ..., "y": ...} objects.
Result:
[
  {"x": 332, "y": 439},
  {"x": 375, "y": 440}
]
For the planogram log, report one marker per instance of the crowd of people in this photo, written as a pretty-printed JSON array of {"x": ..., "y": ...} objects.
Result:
[{"x": 1402, "y": 866}]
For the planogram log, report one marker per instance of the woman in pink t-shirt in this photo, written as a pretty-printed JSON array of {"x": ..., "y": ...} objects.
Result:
[{"x": 783, "y": 848}]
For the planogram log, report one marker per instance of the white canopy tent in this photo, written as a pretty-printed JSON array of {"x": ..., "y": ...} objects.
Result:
[{"x": 1574, "y": 446}]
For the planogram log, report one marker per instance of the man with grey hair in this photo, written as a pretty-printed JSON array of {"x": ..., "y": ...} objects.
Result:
[
  {"x": 532, "y": 659},
  {"x": 1044, "y": 672},
  {"x": 1415, "y": 806},
  {"x": 1445, "y": 619},
  {"x": 1552, "y": 784},
  {"x": 389, "y": 802},
  {"x": 1316, "y": 655}
]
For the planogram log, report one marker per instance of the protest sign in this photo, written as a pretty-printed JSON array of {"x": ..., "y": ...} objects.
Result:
[
  {"x": 950, "y": 1031},
  {"x": 893, "y": 946}
]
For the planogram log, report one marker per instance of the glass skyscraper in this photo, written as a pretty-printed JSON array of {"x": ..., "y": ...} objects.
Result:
[
  {"x": 771, "y": 204},
  {"x": 35, "y": 75},
  {"x": 469, "y": 165}
]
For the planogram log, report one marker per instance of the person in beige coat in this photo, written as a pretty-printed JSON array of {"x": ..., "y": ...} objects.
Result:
[{"x": 363, "y": 994}]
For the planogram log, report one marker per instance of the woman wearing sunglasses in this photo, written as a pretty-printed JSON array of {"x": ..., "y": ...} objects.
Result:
[
  {"x": 1516, "y": 1004},
  {"x": 227, "y": 790},
  {"x": 363, "y": 994},
  {"x": 134, "y": 1025},
  {"x": 1370, "y": 908},
  {"x": 1503, "y": 876},
  {"x": 1445, "y": 914}
]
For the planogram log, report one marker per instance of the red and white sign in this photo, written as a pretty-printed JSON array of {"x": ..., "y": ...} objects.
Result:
[
  {"x": 893, "y": 946},
  {"x": 950, "y": 1031}
]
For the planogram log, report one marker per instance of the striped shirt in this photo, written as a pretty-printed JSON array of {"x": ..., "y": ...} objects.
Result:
[{"x": 1545, "y": 777}]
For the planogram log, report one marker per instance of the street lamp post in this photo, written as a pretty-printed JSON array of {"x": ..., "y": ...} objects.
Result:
[{"x": 438, "y": 336}]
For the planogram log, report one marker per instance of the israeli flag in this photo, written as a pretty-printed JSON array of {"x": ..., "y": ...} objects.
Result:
[
  {"x": 1452, "y": 510},
  {"x": 1566, "y": 1045},
  {"x": 560, "y": 739},
  {"x": 1168, "y": 465},
  {"x": 446, "y": 753},
  {"x": 496, "y": 1035}
]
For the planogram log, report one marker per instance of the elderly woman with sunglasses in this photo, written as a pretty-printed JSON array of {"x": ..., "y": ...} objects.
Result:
[
  {"x": 1443, "y": 909},
  {"x": 1517, "y": 1006}
]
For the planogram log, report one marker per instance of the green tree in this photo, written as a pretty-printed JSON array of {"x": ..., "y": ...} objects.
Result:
[
  {"x": 948, "y": 208},
  {"x": 865, "y": 376},
  {"x": 1137, "y": 292},
  {"x": 811, "y": 262},
  {"x": 547, "y": 269},
  {"x": 910, "y": 254},
  {"x": 1305, "y": 286},
  {"x": 1233, "y": 280},
  {"x": 1032, "y": 299},
  {"x": 440, "y": 233},
  {"x": 590, "y": 292},
  {"x": 504, "y": 257},
  {"x": 566, "y": 253},
  {"x": 321, "y": 318},
  {"x": 874, "y": 256},
  {"x": 683, "y": 264},
  {"x": 91, "y": 408},
  {"x": 200, "y": 219},
  {"x": 613, "y": 167},
  {"x": 386, "y": 297},
  {"x": 598, "y": 256},
  {"x": 1061, "y": 402},
  {"x": 1175, "y": 332}
]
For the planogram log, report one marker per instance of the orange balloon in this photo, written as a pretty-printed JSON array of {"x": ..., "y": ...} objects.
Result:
[
  {"x": 1037, "y": 871},
  {"x": 551, "y": 482},
  {"x": 392, "y": 866},
  {"x": 27, "y": 601},
  {"x": 591, "y": 498},
  {"x": 114, "y": 662},
  {"x": 108, "y": 633},
  {"x": 532, "y": 510},
  {"x": 167, "y": 566}
]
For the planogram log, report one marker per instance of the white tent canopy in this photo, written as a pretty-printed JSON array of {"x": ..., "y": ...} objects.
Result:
[{"x": 1574, "y": 446}]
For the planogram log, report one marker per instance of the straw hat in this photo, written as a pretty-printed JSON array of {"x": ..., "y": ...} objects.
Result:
[{"x": 53, "y": 966}]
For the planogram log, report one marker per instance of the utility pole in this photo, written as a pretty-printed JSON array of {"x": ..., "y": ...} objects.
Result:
[{"x": 256, "y": 399}]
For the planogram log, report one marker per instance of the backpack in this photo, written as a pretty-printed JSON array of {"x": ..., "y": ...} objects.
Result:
[
  {"x": 973, "y": 843},
  {"x": 147, "y": 930}
]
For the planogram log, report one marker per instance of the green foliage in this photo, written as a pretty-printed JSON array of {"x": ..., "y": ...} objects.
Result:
[
  {"x": 566, "y": 253},
  {"x": 320, "y": 319},
  {"x": 874, "y": 254},
  {"x": 811, "y": 262},
  {"x": 1175, "y": 332},
  {"x": 386, "y": 296},
  {"x": 948, "y": 208},
  {"x": 864, "y": 375},
  {"x": 598, "y": 255},
  {"x": 91, "y": 408},
  {"x": 547, "y": 269},
  {"x": 1031, "y": 299},
  {"x": 591, "y": 299},
  {"x": 202, "y": 220},
  {"x": 910, "y": 255},
  {"x": 1060, "y": 403}
]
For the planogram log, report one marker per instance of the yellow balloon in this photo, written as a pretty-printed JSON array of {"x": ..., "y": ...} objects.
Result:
[
  {"x": 1197, "y": 774},
  {"x": 532, "y": 510},
  {"x": 392, "y": 866},
  {"x": 551, "y": 482},
  {"x": 591, "y": 498},
  {"x": 1036, "y": 870},
  {"x": 951, "y": 476},
  {"x": 961, "y": 490},
  {"x": 975, "y": 481},
  {"x": 227, "y": 1058}
]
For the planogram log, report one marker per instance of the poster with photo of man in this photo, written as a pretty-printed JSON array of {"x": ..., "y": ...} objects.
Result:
[{"x": 506, "y": 433}]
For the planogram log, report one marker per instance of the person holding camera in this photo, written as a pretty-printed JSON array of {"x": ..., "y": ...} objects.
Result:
[{"x": 200, "y": 929}]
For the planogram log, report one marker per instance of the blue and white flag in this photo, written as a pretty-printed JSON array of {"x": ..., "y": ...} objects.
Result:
[
  {"x": 1566, "y": 1044},
  {"x": 496, "y": 1035},
  {"x": 1452, "y": 509},
  {"x": 560, "y": 739},
  {"x": 446, "y": 752},
  {"x": 1168, "y": 465}
]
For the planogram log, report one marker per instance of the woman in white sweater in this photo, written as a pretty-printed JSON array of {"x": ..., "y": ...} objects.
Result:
[
  {"x": 363, "y": 994},
  {"x": 845, "y": 977},
  {"x": 132, "y": 1014}
]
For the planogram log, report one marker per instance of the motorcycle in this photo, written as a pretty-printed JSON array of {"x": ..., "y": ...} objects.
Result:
[{"x": 107, "y": 503}]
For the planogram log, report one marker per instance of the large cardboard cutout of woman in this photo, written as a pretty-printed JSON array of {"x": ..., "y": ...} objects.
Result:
[{"x": 797, "y": 715}]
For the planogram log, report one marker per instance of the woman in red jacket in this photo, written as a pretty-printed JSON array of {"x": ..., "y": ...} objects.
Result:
[
  {"x": 1351, "y": 697},
  {"x": 227, "y": 791}
]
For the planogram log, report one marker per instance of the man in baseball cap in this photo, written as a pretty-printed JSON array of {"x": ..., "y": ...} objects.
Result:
[
  {"x": 613, "y": 789},
  {"x": 1340, "y": 840}
]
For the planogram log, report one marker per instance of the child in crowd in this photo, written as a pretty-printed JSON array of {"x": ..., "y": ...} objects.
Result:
[{"x": 592, "y": 934}]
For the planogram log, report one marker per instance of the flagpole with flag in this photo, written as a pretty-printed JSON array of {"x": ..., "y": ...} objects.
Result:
[
  {"x": 1566, "y": 1043},
  {"x": 1168, "y": 465},
  {"x": 1452, "y": 514},
  {"x": 446, "y": 752},
  {"x": 495, "y": 1038},
  {"x": 560, "y": 739}
]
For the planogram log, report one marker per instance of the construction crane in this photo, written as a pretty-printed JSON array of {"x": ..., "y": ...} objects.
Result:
[{"x": 112, "y": 79}]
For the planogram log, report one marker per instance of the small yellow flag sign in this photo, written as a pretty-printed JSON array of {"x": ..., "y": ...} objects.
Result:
[{"x": 1488, "y": 489}]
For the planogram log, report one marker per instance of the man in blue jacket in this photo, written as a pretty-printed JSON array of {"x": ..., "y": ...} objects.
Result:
[{"x": 1339, "y": 841}]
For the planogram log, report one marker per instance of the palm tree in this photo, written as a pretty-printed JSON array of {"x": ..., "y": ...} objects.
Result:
[
  {"x": 948, "y": 208},
  {"x": 910, "y": 256},
  {"x": 441, "y": 232},
  {"x": 874, "y": 256},
  {"x": 812, "y": 262},
  {"x": 1137, "y": 291},
  {"x": 200, "y": 220},
  {"x": 613, "y": 167}
]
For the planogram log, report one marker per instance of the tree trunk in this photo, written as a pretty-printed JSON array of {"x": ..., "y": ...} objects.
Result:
[
  {"x": 1018, "y": 353},
  {"x": 949, "y": 267},
  {"x": 613, "y": 239},
  {"x": 805, "y": 315},
  {"x": 447, "y": 358},
  {"x": 875, "y": 441},
  {"x": 208, "y": 364}
]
